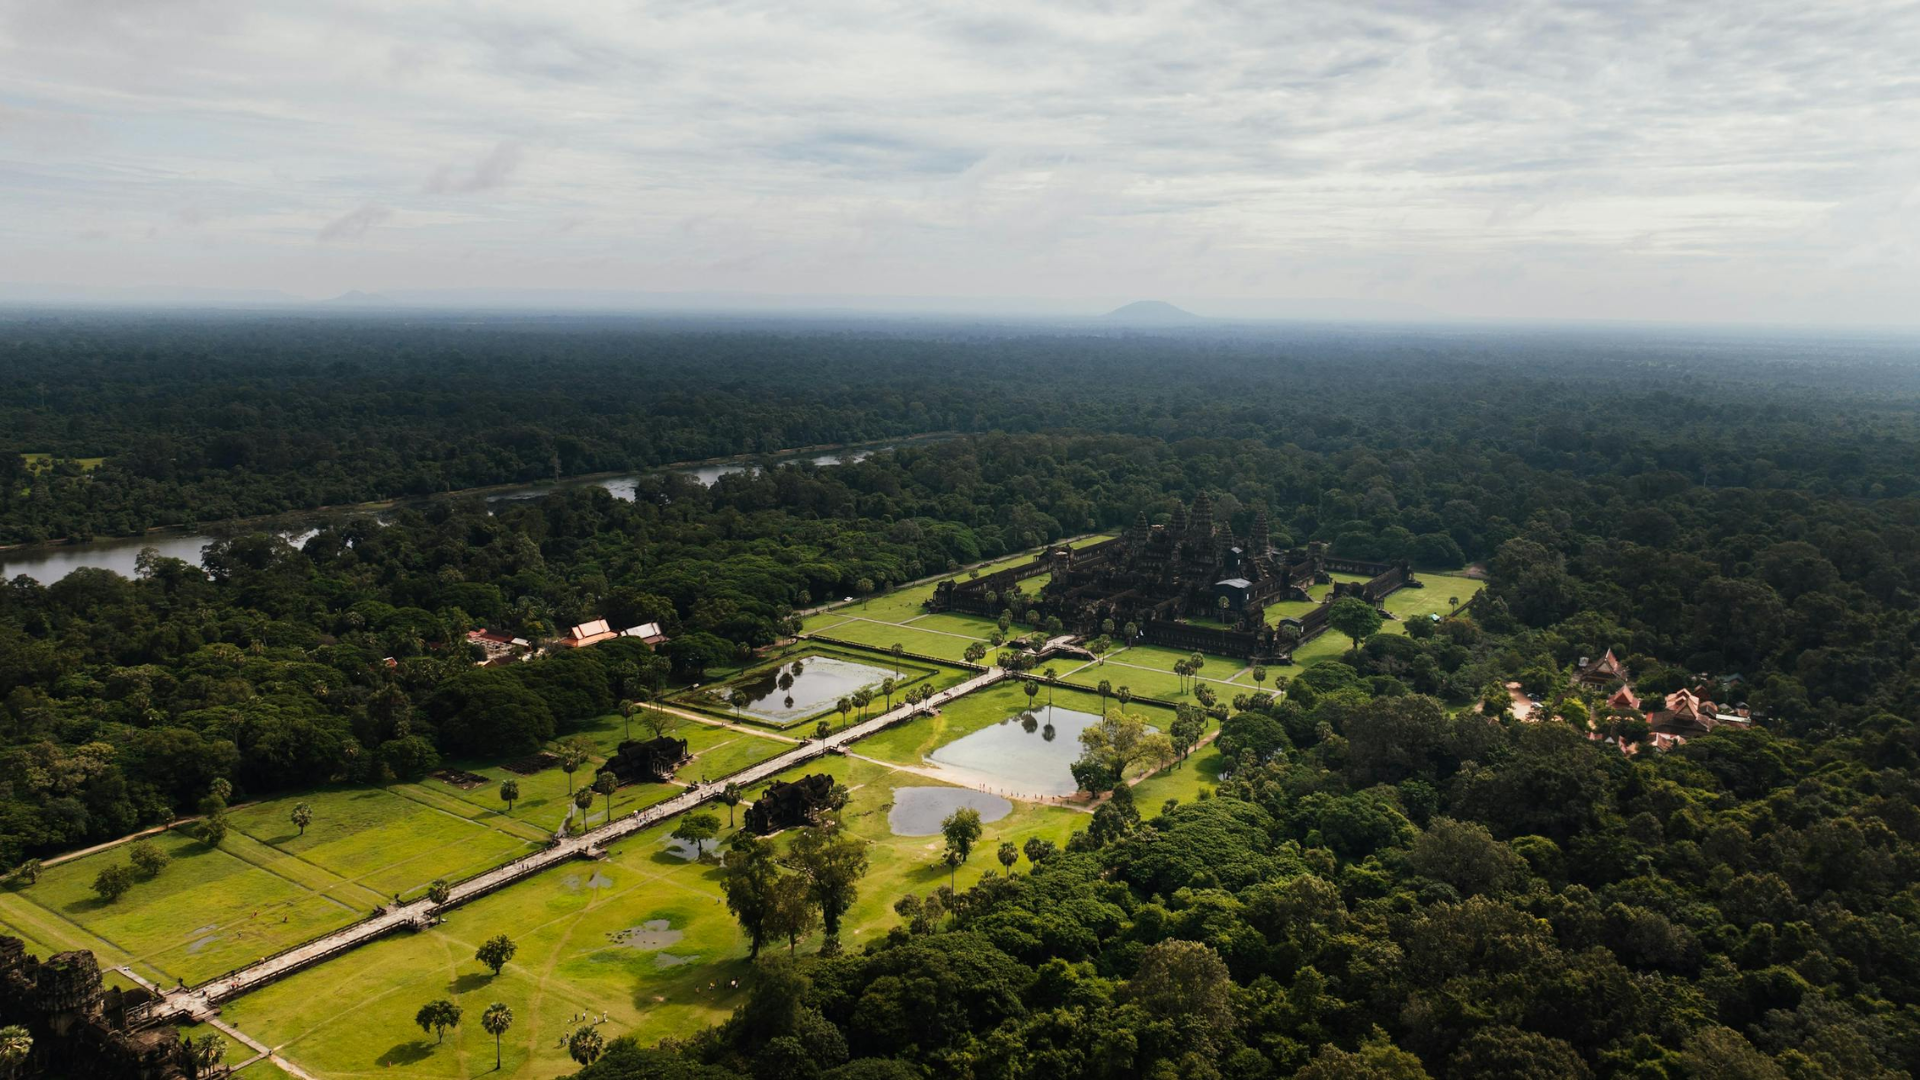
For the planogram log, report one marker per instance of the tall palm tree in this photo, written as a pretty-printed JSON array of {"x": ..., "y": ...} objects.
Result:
[
  {"x": 586, "y": 1045},
  {"x": 16, "y": 1045},
  {"x": 496, "y": 1020}
]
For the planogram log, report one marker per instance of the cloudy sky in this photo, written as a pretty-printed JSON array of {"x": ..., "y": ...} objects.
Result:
[{"x": 1688, "y": 160}]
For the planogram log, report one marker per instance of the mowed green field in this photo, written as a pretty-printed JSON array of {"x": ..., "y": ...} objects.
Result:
[
  {"x": 1147, "y": 671},
  {"x": 900, "y": 605},
  {"x": 268, "y": 886},
  {"x": 386, "y": 843},
  {"x": 1440, "y": 595},
  {"x": 669, "y": 974},
  {"x": 545, "y": 796},
  {"x": 884, "y": 635},
  {"x": 208, "y": 911},
  {"x": 1183, "y": 781}
]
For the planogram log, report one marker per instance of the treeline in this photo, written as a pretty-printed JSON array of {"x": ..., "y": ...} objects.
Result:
[
  {"x": 201, "y": 420},
  {"x": 271, "y": 665},
  {"x": 1387, "y": 889}
]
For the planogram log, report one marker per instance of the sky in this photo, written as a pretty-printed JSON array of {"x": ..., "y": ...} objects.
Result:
[{"x": 1696, "y": 161}]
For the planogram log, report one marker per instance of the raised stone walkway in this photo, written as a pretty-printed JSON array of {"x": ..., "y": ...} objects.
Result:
[{"x": 199, "y": 1002}]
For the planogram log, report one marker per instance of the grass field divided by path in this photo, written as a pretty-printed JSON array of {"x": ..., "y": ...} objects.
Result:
[
  {"x": 354, "y": 1015},
  {"x": 210, "y": 910},
  {"x": 384, "y": 841},
  {"x": 912, "y": 639},
  {"x": 268, "y": 887},
  {"x": 902, "y": 604}
]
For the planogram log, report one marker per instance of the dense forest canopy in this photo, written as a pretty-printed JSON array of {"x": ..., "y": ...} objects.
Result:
[
  {"x": 1390, "y": 882},
  {"x": 152, "y": 420}
]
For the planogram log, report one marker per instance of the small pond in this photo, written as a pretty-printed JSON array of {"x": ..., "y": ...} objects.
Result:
[
  {"x": 1029, "y": 753},
  {"x": 805, "y": 686},
  {"x": 918, "y": 811}
]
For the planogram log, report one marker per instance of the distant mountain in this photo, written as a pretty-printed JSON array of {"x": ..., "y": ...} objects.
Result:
[
  {"x": 356, "y": 298},
  {"x": 1155, "y": 311}
]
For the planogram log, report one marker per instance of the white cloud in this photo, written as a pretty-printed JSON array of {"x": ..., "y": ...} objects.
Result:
[
  {"x": 1507, "y": 157},
  {"x": 493, "y": 169},
  {"x": 354, "y": 223}
]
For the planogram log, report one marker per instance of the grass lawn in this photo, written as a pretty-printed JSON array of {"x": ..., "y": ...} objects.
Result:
[
  {"x": 354, "y": 1015},
  {"x": 1183, "y": 781},
  {"x": 46, "y": 933},
  {"x": 384, "y": 841},
  {"x": 209, "y": 910},
  {"x": 1147, "y": 670},
  {"x": 1218, "y": 668},
  {"x": 1296, "y": 608},
  {"x": 237, "y": 1051},
  {"x": 973, "y": 626},
  {"x": 42, "y": 462},
  {"x": 814, "y": 624},
  {"x": 1433, "y": 599},
  {"x": 903, "y": 604},
  {"x": 882, "y": 635},
  {"x": 1405, "y": 604}
]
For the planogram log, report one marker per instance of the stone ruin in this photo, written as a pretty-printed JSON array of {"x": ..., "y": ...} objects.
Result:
[
  {"x": 652, "y": 761},
  {"x": 786, "y": 805},
  {"x": 79, "y": 1026}
]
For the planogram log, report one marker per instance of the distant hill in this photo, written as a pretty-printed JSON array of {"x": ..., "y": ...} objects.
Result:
[
  {"x": 356, "y": 298},
  {"x": 1155, "y": 311}
]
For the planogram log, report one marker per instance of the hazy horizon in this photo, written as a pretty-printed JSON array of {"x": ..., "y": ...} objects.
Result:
[{"x": 1490, "y": 161}]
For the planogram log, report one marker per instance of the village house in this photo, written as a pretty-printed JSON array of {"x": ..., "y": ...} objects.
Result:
[
  {"x": 1600, "y": 674},
  {"x": 584, "y": 634},
  {"x": 649, "y": 633},
  {"x": 498, "y": 646}
]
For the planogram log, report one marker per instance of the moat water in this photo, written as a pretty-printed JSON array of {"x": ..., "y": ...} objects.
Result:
[
  {"x": 803, "y": 687},
  {"x": 48, "y": 563},
  {"x": 1029, "y": 753},
  {"x": 918, "y": 811}
]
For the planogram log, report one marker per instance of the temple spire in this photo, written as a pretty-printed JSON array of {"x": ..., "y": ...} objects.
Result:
[
  {"x": 1137, "y": 536},
  {"x": 1203, "y": 517}
]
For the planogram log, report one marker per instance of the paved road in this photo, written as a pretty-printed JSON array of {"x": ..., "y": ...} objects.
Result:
[{"x": 198, "y": 1002}]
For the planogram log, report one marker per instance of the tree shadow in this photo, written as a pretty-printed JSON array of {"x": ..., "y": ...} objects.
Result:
[
  {"x": 406, "y": 1053},
  {"x": 471, "y": 981}
]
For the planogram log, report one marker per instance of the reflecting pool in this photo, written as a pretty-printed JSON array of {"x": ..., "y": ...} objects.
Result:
[
  {"x": 1029, "y": 753},
  {"x": 918, "y": 811},
  {"x": 804, "y": 687}
]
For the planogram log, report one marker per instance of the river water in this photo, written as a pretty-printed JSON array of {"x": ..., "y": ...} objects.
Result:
[{"x": 48, "y": 563}]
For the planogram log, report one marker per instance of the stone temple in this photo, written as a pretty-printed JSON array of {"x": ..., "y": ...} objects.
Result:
[{"x": 1189, "y": 584}]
